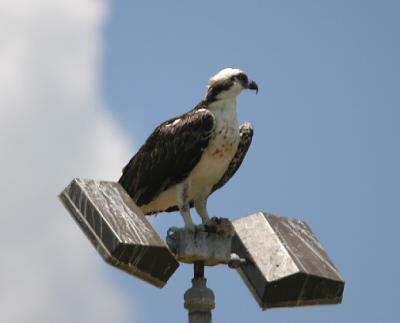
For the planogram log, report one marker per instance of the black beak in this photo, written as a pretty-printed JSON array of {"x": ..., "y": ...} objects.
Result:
[{"x": 253, "y": 86}]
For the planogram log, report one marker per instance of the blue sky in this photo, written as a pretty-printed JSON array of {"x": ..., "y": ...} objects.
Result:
[{"x": 326, "y": 146}]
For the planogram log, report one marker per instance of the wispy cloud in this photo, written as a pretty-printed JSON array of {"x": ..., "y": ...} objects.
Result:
[{"x": 53, "y": 127}]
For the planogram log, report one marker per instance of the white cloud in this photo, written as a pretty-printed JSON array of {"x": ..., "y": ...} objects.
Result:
[{"x": 53, "y": 127}]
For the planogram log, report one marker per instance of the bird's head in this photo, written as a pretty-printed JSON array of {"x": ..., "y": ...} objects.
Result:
[{"x": 228, "y": 83}]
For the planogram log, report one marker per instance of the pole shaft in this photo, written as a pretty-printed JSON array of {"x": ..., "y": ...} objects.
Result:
[
  {"x": 199, "y": 299},
  {"x": 198, "y": 269}
]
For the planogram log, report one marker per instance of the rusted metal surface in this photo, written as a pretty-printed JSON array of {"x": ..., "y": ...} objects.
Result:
[
  {"x": 118, "y": 230},
  {"x": 286, "y": 265},
  {"x": 198, "y": 267}
]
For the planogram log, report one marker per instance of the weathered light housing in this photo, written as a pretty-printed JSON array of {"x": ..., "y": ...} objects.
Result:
[
  {"x": 119, "y": 230},
  {"x": 286, "y": 265}
]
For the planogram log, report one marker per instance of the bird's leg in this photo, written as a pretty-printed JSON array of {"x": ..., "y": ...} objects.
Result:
[
  {"x": 182, "y": 197},
  {"x": 200, "y": 204}
]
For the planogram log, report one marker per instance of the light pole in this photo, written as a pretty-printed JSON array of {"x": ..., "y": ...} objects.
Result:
[
  {"x": 199, "y": 299},
  {"x": 279, "y": 259}
]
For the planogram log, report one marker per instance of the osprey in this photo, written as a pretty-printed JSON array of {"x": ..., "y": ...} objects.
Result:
[{"x": 188, "y": 157}]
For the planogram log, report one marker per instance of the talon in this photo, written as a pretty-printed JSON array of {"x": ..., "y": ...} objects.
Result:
[
  {"x": 190, "y": 227},
  {"x": 202, "y": 227},
  {"x": 221, "y": 226}
]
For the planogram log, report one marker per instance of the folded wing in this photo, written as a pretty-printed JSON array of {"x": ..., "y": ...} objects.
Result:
[{"x": 168, "y": 155}]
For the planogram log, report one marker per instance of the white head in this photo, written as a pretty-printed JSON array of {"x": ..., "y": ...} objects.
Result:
[{"x": 228, "y": 83}]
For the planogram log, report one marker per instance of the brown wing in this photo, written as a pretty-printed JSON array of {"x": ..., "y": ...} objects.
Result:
[{"x": 168, "y": 155}]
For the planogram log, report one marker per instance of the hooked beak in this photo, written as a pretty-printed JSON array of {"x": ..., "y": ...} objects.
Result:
[{"x": 253, "y": 86}]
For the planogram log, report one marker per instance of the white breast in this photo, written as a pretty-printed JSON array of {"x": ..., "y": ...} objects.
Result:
[
  {"x": 214, "y": 161},
  {"x": 220, "y": 150}
]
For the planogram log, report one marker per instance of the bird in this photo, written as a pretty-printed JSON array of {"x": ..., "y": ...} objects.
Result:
[{"x": 189, "y": 157}]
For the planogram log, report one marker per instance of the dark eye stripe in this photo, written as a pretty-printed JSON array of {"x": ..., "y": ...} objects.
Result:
[
  {"x": 241, "y": 77},
  {"x": 217, "y": 88}
]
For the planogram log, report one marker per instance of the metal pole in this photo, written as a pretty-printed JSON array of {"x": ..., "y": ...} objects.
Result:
[{"x": 199, "y": 300}]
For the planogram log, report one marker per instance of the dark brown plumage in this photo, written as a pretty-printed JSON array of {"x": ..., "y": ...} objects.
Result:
[{"x": 168, "y": 155}]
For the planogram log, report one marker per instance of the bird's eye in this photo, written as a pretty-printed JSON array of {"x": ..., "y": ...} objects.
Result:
[{"x": 242, "y": 77}]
